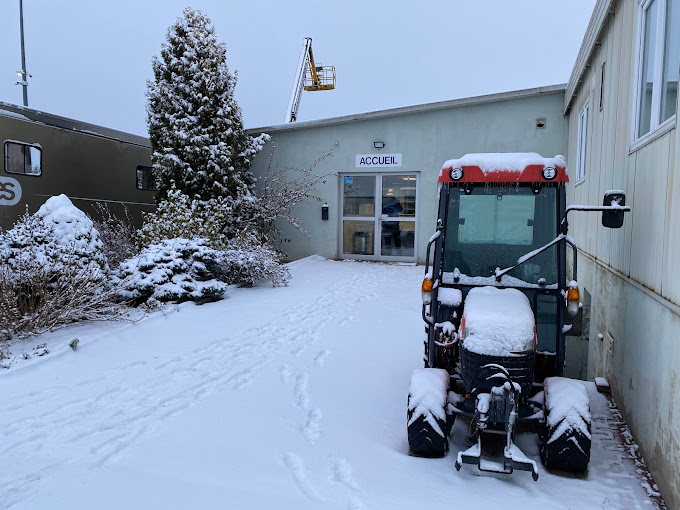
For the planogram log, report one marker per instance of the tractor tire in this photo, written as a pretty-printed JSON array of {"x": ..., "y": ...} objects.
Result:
[
  {"x": 428, "y": 430},
  {"x": 565, "y": 444},
  {"x": 569, "y": 452}
]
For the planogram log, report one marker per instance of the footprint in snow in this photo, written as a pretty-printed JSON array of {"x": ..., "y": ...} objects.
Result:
[
  {"x": 321, "y": 358},
  {"x": 286, "y": 374},
  {"x": 342, "y": 473},
  {"x": 312, "y": 429},
  {"x": 302, "y": 390},
  {"x": 297, "y": 469}
]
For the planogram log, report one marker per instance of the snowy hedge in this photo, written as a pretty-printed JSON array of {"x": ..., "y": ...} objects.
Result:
[{"x": 190, "y": 270}]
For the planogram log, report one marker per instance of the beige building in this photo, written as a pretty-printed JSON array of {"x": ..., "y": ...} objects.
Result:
[{"x": 621, "y": 104}]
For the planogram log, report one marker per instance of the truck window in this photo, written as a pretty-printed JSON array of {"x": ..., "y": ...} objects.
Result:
[
  {"x": 145, "y": 178},
  {"x": 23, "y": 158}
]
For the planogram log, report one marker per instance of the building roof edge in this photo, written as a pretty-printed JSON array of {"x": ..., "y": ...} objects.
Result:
[
  {"x": 31, "y": 115},
  {"x": 405, "y": 110},
  {"x": 601, "y": 11}
]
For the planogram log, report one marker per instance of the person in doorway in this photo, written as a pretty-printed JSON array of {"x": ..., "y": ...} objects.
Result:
[{"x": 391, "y": 207}]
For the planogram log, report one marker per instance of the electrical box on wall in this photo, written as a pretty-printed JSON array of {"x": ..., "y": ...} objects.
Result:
[{"x": 324, "y": 212}]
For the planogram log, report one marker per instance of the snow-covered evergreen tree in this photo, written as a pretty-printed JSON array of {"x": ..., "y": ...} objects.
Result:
[{"x": 195, "y": 124}]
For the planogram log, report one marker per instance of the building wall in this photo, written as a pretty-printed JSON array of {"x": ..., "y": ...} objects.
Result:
[
  {"x": 425, "y": 136},
  {"x": 632, "y": 273}
]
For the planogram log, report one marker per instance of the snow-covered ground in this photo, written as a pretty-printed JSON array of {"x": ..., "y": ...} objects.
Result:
[{"x": 274, "y": 398}]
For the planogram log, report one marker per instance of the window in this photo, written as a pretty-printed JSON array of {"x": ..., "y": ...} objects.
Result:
[
  {"x": 602, "y": 85},
  {"x": 145, "y": 178},
  {"x": 581, "y": 142},
  {"x": 496, "y": 219},
  {"x": 22, "y": 158},
  {"x": 657, "y": 67},
  {"x": 493, "y": 226}
]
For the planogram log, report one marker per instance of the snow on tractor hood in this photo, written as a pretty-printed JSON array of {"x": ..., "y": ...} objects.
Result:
[{"x": 497, "y": 322}]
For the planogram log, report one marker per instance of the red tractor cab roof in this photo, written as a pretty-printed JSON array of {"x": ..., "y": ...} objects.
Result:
[{"x": 505, "y": 167}]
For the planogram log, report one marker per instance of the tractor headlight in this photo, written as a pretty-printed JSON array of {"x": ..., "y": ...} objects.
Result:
[
  {"x": 549, "y": 173},
  {"x": 456, "y": 174}
]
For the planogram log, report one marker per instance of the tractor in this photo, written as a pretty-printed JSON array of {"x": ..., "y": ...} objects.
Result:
[{"x": 497, "y": 304}]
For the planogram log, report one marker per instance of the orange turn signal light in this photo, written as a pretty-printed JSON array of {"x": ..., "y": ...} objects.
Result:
[
  {"x": 427, "y": 285},
  {"x": 573, "y": 294}
]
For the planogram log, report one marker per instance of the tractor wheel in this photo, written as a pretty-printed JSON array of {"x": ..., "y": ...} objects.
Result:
[
  {"x": 566, "y": 435},
  {"x": 426, "y": 415},
  {"x": 568, "y": 452}
]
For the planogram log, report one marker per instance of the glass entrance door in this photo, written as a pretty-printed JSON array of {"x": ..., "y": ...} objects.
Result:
[{"x": 379, "y": 216}]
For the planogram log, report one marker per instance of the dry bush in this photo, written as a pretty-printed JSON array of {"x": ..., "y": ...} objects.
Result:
[
  {"x": 35, "y": 298},
  {"x": 117, "y": 234},
  {"x": 281, "y": 190}
]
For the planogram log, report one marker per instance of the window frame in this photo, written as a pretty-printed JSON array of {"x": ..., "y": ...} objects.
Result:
[
  {"x": 656, "y": 129},
  {"x": 24, "y": 144},
  {"x": 582, "y": 142}
]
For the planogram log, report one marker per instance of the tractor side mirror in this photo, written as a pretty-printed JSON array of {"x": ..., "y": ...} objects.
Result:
[{"x": 613, "y": 218}]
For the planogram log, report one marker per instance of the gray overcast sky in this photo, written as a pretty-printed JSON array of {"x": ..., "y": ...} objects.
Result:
[{"x": 90, "y": 60}]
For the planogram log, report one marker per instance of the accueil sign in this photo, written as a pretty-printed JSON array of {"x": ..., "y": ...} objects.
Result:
[{"x": 378, "y": 160}]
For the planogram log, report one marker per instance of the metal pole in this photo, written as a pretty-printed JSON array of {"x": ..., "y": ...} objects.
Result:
[{"x": 24, "y": 77}]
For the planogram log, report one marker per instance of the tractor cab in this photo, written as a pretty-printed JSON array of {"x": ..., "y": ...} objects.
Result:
[
  {"x": 497, "y": 303},
  {"x": 494, "y": 210}
]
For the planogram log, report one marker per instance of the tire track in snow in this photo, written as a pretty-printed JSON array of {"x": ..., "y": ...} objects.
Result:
[{"x": 98, "y": 429}]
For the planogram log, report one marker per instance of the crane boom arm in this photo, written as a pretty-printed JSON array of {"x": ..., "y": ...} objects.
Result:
[{"x": 296, "y": 94}]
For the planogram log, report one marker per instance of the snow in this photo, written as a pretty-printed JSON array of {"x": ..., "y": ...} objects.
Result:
[
  {"x": 509, "y": 161},
  {"x": 447, "y": 327},
  {"x": 71, "y": 226},
  {"x": 449, "y": 297},
  {"x": 428, "y": 391},
  {"x": 514, "y": 453},
  {"x": 498, "y": 322},
  {"x": 273, "y": 398},
  {"x": 601, "y": 381},
  {"x": 527, "y": 256},
  {"x": 506, "y": 280},
  {"x": 7, "y": 113},
  {"x": 567, "y": 400}
]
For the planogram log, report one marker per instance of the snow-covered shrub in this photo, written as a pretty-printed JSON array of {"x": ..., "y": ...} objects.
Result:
[
  {"x": 248, "y": 263},
  {"x": 174, "y": 270},
  {"x": 236, "y": 247},
  {"x": 117, "y": 234},
  {"x": 178, "y": 216},
  {"x": 53, "y": 271},
  {"x": 57, "y": 232},
  {"x": 190, "y": 270},
  {"x": 195, "y": 124}
]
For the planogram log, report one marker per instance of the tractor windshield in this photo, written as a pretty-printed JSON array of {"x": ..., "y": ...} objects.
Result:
[{"x": 493, "y": 226}]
